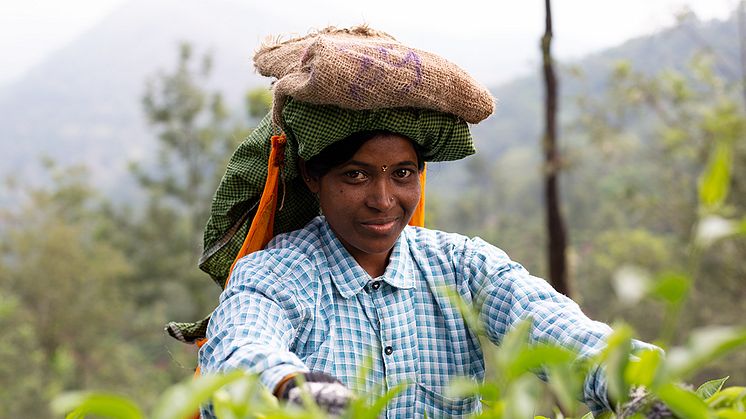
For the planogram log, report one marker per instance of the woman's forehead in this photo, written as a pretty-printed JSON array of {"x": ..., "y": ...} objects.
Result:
[{"x": 387, "y": 147}]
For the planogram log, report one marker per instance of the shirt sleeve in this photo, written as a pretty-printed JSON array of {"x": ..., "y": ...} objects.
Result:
[
  {"x": 254, "y": 326},
  {"x": 505, "y": 293}
]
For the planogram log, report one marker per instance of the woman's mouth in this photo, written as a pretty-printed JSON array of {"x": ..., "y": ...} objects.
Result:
[{"x": 383, "y": 226}]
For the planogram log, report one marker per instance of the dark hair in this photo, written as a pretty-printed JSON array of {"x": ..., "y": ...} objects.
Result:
[{"x": 343, "y": 150}]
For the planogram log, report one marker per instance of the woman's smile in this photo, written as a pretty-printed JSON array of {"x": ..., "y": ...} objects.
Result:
[{"x": 381, "y": 226}]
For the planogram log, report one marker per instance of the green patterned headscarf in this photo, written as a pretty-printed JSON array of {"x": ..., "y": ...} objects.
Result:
[{"x": 309, "y": 129}]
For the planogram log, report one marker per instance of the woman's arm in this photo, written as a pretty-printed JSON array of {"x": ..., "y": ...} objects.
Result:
[
  {"x": 254, "y": 326},
  {"x": 505, "y": 294}
]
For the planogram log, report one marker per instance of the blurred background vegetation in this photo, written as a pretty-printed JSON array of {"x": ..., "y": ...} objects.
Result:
[{"x": 94, "y": 262}]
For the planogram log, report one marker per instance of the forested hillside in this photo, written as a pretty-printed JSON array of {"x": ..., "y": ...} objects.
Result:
[
  {"x": 639, "y": 124},
  {"x": 98, "y": 253}
]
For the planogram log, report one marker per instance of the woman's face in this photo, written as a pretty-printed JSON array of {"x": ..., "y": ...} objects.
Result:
[{"x": 369, "y": 199}]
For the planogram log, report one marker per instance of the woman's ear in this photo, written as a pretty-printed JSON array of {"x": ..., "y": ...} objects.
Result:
[{"x": 311, "y": 182}]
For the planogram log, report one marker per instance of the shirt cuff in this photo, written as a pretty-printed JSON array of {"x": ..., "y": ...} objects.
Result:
[{"x": 272, "y": 376}]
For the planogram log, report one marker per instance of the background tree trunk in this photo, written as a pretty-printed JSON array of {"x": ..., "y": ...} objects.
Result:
[{"x": 556, "y": 235}]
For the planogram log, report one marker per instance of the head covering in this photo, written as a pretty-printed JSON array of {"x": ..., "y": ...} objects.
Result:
[
  {"x": 309, "y": 129},
  {"x": 331, "y": 84},
  {"x": 360, "y": 68}
]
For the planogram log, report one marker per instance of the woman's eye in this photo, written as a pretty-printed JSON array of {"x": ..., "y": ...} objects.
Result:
[
  {"x": 355, "y": 174},
  {"x": 403, "y": 173}
]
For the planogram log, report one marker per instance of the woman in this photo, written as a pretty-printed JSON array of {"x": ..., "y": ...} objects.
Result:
[{"x": 358, "y": 283}]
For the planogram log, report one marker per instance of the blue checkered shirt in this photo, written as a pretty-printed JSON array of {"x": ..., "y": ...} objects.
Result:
[{"x": 305, "y": 304}]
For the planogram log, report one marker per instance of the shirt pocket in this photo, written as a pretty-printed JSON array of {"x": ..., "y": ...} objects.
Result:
[{"x": 439, "y": 406}]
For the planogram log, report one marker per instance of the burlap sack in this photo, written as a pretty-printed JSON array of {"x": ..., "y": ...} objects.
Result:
[{"x": 360, "y": 69}]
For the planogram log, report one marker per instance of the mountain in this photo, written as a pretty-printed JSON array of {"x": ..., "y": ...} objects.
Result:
[
  {"x": 82, "y": 104},
  {"x": 515, "y": 129}
]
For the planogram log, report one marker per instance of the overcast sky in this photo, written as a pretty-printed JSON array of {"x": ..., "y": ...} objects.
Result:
[{"x": 31, "y": 29}]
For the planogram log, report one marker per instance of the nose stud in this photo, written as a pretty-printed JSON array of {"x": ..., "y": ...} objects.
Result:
[{"x": 384, "y": 168}]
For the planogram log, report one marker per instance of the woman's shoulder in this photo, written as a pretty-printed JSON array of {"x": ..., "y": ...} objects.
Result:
[
  {"x": 430, "y": 241},
  {"x": 427, "y": 238},
  {"x": 289, "y": 255}
]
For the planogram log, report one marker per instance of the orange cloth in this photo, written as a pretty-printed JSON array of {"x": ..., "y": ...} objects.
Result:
[
  {"x": 261, "y": 231},
  {"x": 418, "y": 218}
]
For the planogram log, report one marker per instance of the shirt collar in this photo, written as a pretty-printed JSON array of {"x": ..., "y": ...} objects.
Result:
[{"x": 350, "y": 278}]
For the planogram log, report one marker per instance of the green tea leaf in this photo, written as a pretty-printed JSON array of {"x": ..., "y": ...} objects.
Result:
[
  {"x": 80, "y": 404},
  {"x": 183, "y": 400},
  {"x": 727, "y": 397},
  {"x": 532, "y": 358},
  {"x": 566, "y": 385},
  {"x": 731, "y": 414},
  {"x": 463, "y": 387},
  {"x": 742, "y": 227},
  {"x": 514, "y": 343},
  {"x": 522, "y": 398},
  {"x": 671, "y": 287},
  {"x": 615, "y": 358},
  {"x": 684, "y": 403},
  {"x": 711, "y": 387},
  {"x": 704, "y": 346},
  {"x": 714, "y": 182},
  {"x": 644, "y": 368},
  {"x": 362, "y": 409}
]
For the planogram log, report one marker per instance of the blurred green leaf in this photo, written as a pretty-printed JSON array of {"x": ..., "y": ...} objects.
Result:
[
  {"x": 514, "y": 343},
  {"x": 470, "y": 315},
  {"x": 731, "y": 414},
  {"x": 714, "y": 182},
  {"x": 361, "y": 408},
  {"x": 671, "y": 287},
  {"x": 463, "y": 387},
  {"x": 242, "y": 397},
  {"x": 566, "y": 385},
  {"x": 183, "y": 400},
  {"x": 726, "y": 397},
  {"x": 684, "y": 403},
  {"x": 711, "y": 387},
  {"x": 522, "y": 398},
  {"x": 80, "y": 404},
  {"x": 223, "y": 406},
  {"x": 704, "y": 346},
  {"x": 533, "y": 358},
  {"x": 615, "y": 358},
  {"x": 643, "y": 369},
  {"x": 742, "y": 227}
]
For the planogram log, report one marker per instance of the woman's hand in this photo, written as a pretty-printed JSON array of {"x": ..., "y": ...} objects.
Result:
[{"x": 328, "y": 393}]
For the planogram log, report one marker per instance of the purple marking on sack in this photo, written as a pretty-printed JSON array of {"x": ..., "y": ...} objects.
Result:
[
  {"x": 306, "y": 54},
  {"x": 411, "y": 57},
  {"x": 356, "y": 88},
  {"x": 364, "y": 79}
]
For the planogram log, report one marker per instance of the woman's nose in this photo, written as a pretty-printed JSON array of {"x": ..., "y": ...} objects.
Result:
[{"x": 380, "y": 196}]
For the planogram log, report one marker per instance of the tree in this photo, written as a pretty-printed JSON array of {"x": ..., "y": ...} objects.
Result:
[
  {"x": 197, "y": 133},
  {"x": 195, "y": 138},
  {"x": 64, "y": 307},
  {"x": 650, "y": 138},
  {"x": 556, "y": 231}
]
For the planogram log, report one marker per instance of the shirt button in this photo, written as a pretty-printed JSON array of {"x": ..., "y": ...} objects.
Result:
[
  {"x": 389, "y": 350},
  {"x": 376, "y": 285}
]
